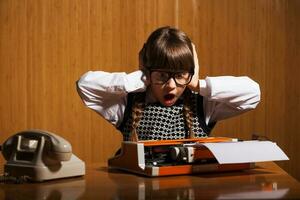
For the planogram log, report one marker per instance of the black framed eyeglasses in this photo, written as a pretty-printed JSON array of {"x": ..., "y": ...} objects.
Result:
[{"x": 160, "y": 77}]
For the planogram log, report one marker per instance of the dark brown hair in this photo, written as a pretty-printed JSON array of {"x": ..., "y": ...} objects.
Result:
[{"x": 169, "y": 49}]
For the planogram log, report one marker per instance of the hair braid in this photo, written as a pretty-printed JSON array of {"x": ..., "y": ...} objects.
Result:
[
  {"x": 187, "y": 113},
  {"x": 137, "y": 113}
]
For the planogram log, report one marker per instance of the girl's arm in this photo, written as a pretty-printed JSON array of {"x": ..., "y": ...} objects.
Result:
[
  {"x": 227, "y": 96},
  {"x": 224, "y": 96},
  {"x": 106, "y": 93}
]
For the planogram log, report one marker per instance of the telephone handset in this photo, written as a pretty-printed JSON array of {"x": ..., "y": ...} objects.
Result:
[{"x": 40, "y": 155}]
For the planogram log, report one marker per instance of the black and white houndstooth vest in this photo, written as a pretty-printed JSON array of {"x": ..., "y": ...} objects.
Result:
[{"x": 165, "y": 123}]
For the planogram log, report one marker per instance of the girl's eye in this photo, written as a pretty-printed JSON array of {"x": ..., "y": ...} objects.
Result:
[
  {"x": 163, "y": 75},
  {"x": 179, "y": 75},
  {"x": 182, "y": 75},
  {"x": 160, "y": 76}
]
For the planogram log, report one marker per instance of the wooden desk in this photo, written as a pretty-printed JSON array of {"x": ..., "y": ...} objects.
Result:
[{"x": 266, "y": 181}]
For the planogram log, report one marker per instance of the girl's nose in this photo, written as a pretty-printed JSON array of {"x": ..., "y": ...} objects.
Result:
[{"x": 171, "y": 83}]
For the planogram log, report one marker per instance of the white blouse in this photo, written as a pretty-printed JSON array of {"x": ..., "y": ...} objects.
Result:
[{"x": 223, "y": 96}]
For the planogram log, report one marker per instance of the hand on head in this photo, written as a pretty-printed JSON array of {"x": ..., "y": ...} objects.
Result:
[{"x": 194, "y": 84}]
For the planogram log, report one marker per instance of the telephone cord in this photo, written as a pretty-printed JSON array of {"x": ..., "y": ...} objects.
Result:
[
  {"x": 16, "y": 180},
  {"x": 5, "y": 178}
]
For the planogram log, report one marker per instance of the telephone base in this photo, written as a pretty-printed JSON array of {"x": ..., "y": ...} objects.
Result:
[{"x": 38, "y": 173}]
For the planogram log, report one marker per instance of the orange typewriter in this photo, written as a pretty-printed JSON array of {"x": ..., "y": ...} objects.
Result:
[
  {"x": 195, "y": 155},
  {"x": 171, "y": 157}
]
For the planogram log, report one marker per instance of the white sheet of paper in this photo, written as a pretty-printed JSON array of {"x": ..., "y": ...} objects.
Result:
[{"x": 246, "y": 151}]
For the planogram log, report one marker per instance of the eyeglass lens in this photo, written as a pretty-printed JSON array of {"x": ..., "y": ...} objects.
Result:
[{"x": 161, "y": 77}]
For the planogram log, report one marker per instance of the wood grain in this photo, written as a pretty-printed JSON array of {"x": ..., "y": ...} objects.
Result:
[{"x": 45, "y": 46}]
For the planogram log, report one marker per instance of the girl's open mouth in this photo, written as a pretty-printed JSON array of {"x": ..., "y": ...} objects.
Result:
[{"x": 169, "y": 99}]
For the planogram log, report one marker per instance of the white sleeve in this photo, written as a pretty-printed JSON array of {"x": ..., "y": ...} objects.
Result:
[
  {"x": 227, "y": 96},
  {"x": 106, "y": 93}
]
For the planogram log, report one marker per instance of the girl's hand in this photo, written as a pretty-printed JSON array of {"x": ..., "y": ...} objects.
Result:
[{"x": 194, "y": 84}]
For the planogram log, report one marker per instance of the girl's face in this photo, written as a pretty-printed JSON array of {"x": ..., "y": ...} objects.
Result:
[
  {"x": 167, "y": 56},
  {"x": 167, "y": 87},
  {"x": 168, "y": 93}
]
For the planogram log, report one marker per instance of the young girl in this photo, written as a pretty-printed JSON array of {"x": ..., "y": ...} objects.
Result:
[{"x": 165, "y": 99}]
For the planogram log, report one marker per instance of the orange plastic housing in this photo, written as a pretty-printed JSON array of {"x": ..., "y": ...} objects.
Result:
[{"x": 132, "y": 158}]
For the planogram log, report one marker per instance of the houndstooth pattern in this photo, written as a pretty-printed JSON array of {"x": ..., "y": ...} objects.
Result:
[{"x": 164, "y": 123}]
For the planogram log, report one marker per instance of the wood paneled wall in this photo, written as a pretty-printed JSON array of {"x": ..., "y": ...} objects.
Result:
[{"x": 45, "y": 46}]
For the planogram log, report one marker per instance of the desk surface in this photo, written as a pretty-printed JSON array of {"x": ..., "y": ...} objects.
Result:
[{"x": 266, "y": 181}]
